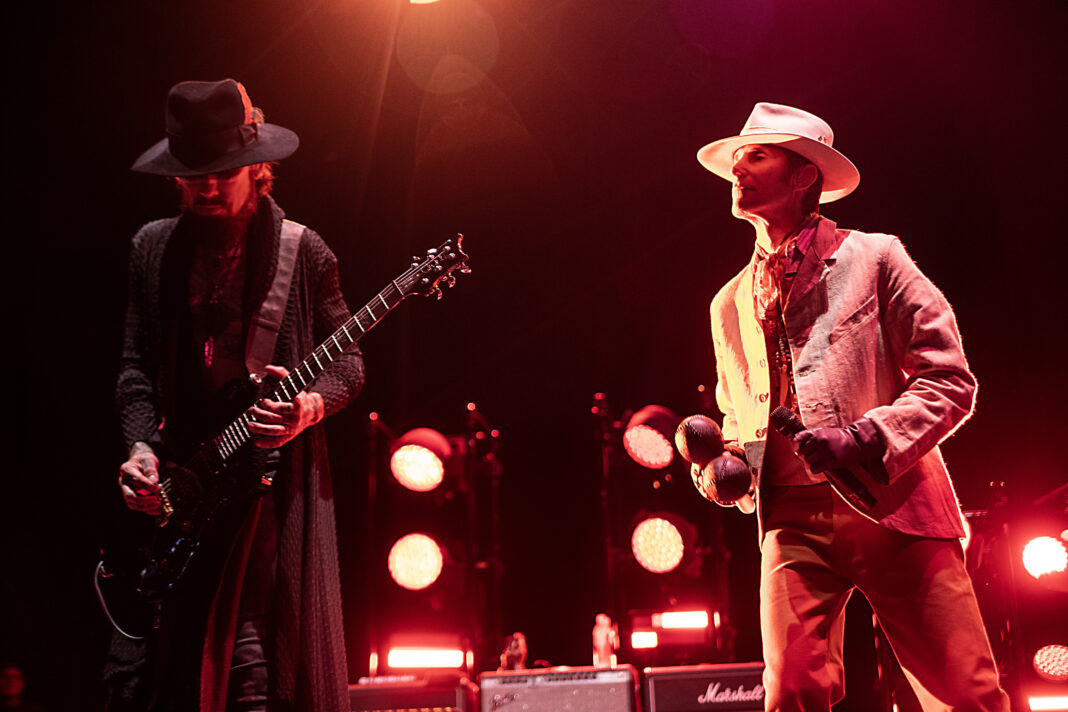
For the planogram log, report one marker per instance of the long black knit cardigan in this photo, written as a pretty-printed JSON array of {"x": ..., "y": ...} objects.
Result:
[{"x": 310, "y": 666}]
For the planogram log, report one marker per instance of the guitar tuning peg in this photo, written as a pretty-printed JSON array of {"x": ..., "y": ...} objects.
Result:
[{"x": 465, "y": 269}]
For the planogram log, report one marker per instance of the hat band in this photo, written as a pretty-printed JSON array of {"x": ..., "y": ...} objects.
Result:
[
  {"x": 202, "y": 149},
  {"x": 757, "y": 130}
]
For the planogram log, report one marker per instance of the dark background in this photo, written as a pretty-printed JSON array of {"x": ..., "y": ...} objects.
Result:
[{"x": 559, "y": 137}]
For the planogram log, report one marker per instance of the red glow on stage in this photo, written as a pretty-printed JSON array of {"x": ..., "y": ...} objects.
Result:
[
  {"x": 415, "y": 562},
  {"x": 657, "y": 545},
  {"x": 1045, "y": 555}
]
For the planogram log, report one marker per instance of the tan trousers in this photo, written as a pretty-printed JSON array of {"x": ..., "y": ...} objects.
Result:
[{"x": 816, "y": 550}]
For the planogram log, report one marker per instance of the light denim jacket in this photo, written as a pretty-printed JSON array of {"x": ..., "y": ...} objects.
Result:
[{"x": 872, "y": 337}]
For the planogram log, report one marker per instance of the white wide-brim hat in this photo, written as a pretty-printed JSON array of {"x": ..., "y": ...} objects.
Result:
[{"x": 793, "y": 129}]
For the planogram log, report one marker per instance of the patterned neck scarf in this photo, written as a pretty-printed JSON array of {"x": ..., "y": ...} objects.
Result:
[{"x": 770, "y": 282}]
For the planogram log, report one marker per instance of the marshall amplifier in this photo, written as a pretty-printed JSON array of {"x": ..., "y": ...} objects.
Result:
[
  {"x": 567, "y": 689},
  {"x": 704, "y": 688},
  {"x": 446, "y": 692}
]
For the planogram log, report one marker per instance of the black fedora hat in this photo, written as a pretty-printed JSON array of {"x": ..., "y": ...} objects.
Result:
[{"x": 210, "y": 129}]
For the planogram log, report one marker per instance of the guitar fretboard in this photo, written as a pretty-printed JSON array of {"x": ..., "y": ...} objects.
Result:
[{"x": 236, "y": 434}]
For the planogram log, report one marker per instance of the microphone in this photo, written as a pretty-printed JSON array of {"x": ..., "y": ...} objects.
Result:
[
  {"x": 847, "y": 484},
  {"x": 700, "y": 441}
]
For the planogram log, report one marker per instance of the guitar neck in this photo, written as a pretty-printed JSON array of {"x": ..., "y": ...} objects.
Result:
[{"x": 236, "y": 434}]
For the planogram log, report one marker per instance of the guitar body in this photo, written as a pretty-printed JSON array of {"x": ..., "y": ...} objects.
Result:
[{"x": 208, "y": 492}]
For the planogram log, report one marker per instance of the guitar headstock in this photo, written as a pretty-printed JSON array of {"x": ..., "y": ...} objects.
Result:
[{"x": 438, "y": 267}]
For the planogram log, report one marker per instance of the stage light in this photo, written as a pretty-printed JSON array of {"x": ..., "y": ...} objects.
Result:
[
  {"x": 691, "y": 620},
  {"x": 1051, "y": 662},
  {"x": 425, "y": 658},
  {"x": 415, "y": 561},
  {"x": 1045, "y": 555},
  {"x": 418, "y": 459},
  {"x": 649, "y": 436},
  {"x": 644, "y": 639},
  {"x": 657, "y": 545},
  {"x": 1056, "y": 704}
]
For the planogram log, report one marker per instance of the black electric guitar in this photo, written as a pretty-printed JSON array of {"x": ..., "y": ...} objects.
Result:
[{"x": 195, "y": 495}]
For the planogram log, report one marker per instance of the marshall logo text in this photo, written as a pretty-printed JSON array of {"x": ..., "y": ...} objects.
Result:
[{"x": 715, "y": 695}]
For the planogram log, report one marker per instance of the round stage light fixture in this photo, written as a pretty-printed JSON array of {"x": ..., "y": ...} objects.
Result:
[
  {"x": 415, "y": 561},
  {"x": 1051, "y": 663},
  {"x": 649, "y": 435},
  {"x": 1045, "y": 555},
  {"x": 418, "y": 459},
  {"x": 657, "y": 545}
]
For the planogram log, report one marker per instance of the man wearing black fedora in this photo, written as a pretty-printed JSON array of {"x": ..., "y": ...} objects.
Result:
[
  {"x": 840, "y": 369},
  {"x": 227, "y": 290}
]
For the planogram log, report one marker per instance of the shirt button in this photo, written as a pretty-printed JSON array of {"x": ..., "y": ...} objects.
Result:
[
  {"x": 763, "y": 397},
  {"x": 761, "y": 432}
]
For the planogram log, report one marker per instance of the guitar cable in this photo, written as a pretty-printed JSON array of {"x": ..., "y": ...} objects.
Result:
[{"x": 97, "y": 574}]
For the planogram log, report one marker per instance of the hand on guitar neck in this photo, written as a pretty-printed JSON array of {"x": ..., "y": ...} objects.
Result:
[{"x": 276, "y": 423}]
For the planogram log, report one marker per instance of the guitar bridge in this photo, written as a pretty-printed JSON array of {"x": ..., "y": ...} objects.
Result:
[{"x": 168, "y": 509}]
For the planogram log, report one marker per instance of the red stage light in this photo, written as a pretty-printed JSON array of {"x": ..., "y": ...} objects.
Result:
[
  {"x": 418, "y": 459},
  {"x": 424, "y": 658},
  {"x": 1051, "y": 662},
  {"x": 415, "y": 561},
  {"x": 1054, "y": 704},
  {"x": 643, "y": 639},
  {"x": 657, "y": 545},
  {"x": 648, "y": 437},
  {"x": 1045, "y": 555},
  {"x": 693, "y": 620}
]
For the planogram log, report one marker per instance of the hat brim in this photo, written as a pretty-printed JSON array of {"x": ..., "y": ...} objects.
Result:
[
  {"x": 273, "y": 143},
  {"x": 840, "y": 176}
]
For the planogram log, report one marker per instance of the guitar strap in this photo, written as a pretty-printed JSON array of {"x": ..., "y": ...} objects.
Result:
[{"x": 267, "y": 322}]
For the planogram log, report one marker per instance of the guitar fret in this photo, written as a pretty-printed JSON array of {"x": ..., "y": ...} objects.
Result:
[
  {"x": 282, "y": 385},
  {"x": 356, "y": 320},
  {"x": 300, "y": 375},
  {"x": 339, "y": 349},
  {"x": 383, "y": 301},
  {"x": 326, "y": 352},
  {"x": 317, "y": 361}
]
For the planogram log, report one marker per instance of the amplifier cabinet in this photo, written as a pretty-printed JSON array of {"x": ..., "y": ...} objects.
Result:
[
  {"x": 704, "y": 688},
  {"x": 403, "y": 693},
  {"x": 568, "y": 689}
]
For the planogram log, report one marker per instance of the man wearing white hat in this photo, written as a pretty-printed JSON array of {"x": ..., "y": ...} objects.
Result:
[{"x": 842, "y": 329}]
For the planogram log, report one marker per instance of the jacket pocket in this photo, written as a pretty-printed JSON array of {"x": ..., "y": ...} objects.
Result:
[{"x": 861, "y": 315}]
